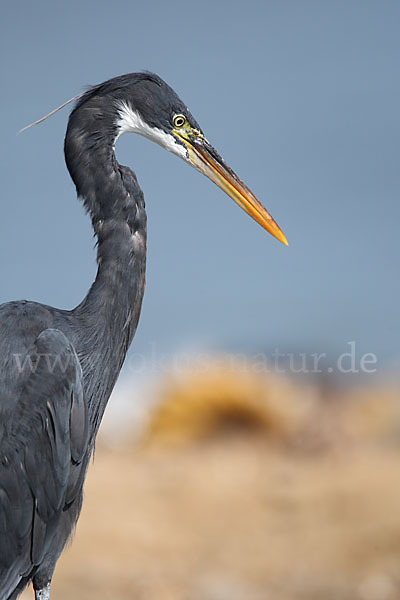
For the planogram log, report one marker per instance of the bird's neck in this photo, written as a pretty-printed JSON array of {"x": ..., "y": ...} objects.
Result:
[{"x": 109, "y": 314}]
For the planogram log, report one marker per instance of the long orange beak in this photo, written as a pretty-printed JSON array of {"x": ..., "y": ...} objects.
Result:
[{"x": 207, "y": 160}]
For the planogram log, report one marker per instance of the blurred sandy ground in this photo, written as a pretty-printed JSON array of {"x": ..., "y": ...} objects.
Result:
[{"x": 244, "y": 488}]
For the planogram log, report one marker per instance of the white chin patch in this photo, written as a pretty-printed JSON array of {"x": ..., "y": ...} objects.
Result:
[{"x": 131, "y": 120}]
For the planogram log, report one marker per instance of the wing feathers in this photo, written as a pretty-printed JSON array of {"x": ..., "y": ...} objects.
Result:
[{"x": 41, "y": 455}]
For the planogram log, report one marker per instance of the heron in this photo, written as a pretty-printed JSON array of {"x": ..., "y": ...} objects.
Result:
[{"x": 58, "y": 367}]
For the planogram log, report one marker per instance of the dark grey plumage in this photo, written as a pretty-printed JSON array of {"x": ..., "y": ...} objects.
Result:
[{"x": 57, "y": 367}]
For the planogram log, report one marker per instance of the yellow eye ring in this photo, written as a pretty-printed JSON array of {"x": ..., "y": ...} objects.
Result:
[{"x": 179, "y": 120}]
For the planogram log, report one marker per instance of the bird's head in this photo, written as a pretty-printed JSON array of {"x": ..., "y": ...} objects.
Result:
[
  {"x": 143, "y": 103},
  {"x": 148, "y": 106}
]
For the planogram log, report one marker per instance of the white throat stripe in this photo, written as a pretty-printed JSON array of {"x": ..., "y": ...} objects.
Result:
[{"x": 131, "y": 120}]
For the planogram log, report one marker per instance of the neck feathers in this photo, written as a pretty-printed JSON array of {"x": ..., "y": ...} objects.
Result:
[{"x": 115, "y": 202}]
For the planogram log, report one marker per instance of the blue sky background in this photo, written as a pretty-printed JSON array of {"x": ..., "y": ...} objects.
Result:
[{"x": 302, "y": 100}]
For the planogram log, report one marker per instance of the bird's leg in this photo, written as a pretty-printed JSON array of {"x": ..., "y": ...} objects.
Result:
[{"x": 43, "y": 594}]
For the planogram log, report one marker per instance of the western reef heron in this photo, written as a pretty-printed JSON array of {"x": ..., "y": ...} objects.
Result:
[{"x": 58, "y": 367}]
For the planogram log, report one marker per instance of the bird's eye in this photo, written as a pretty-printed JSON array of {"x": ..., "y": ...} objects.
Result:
[{"x": 179, "y": 120}]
